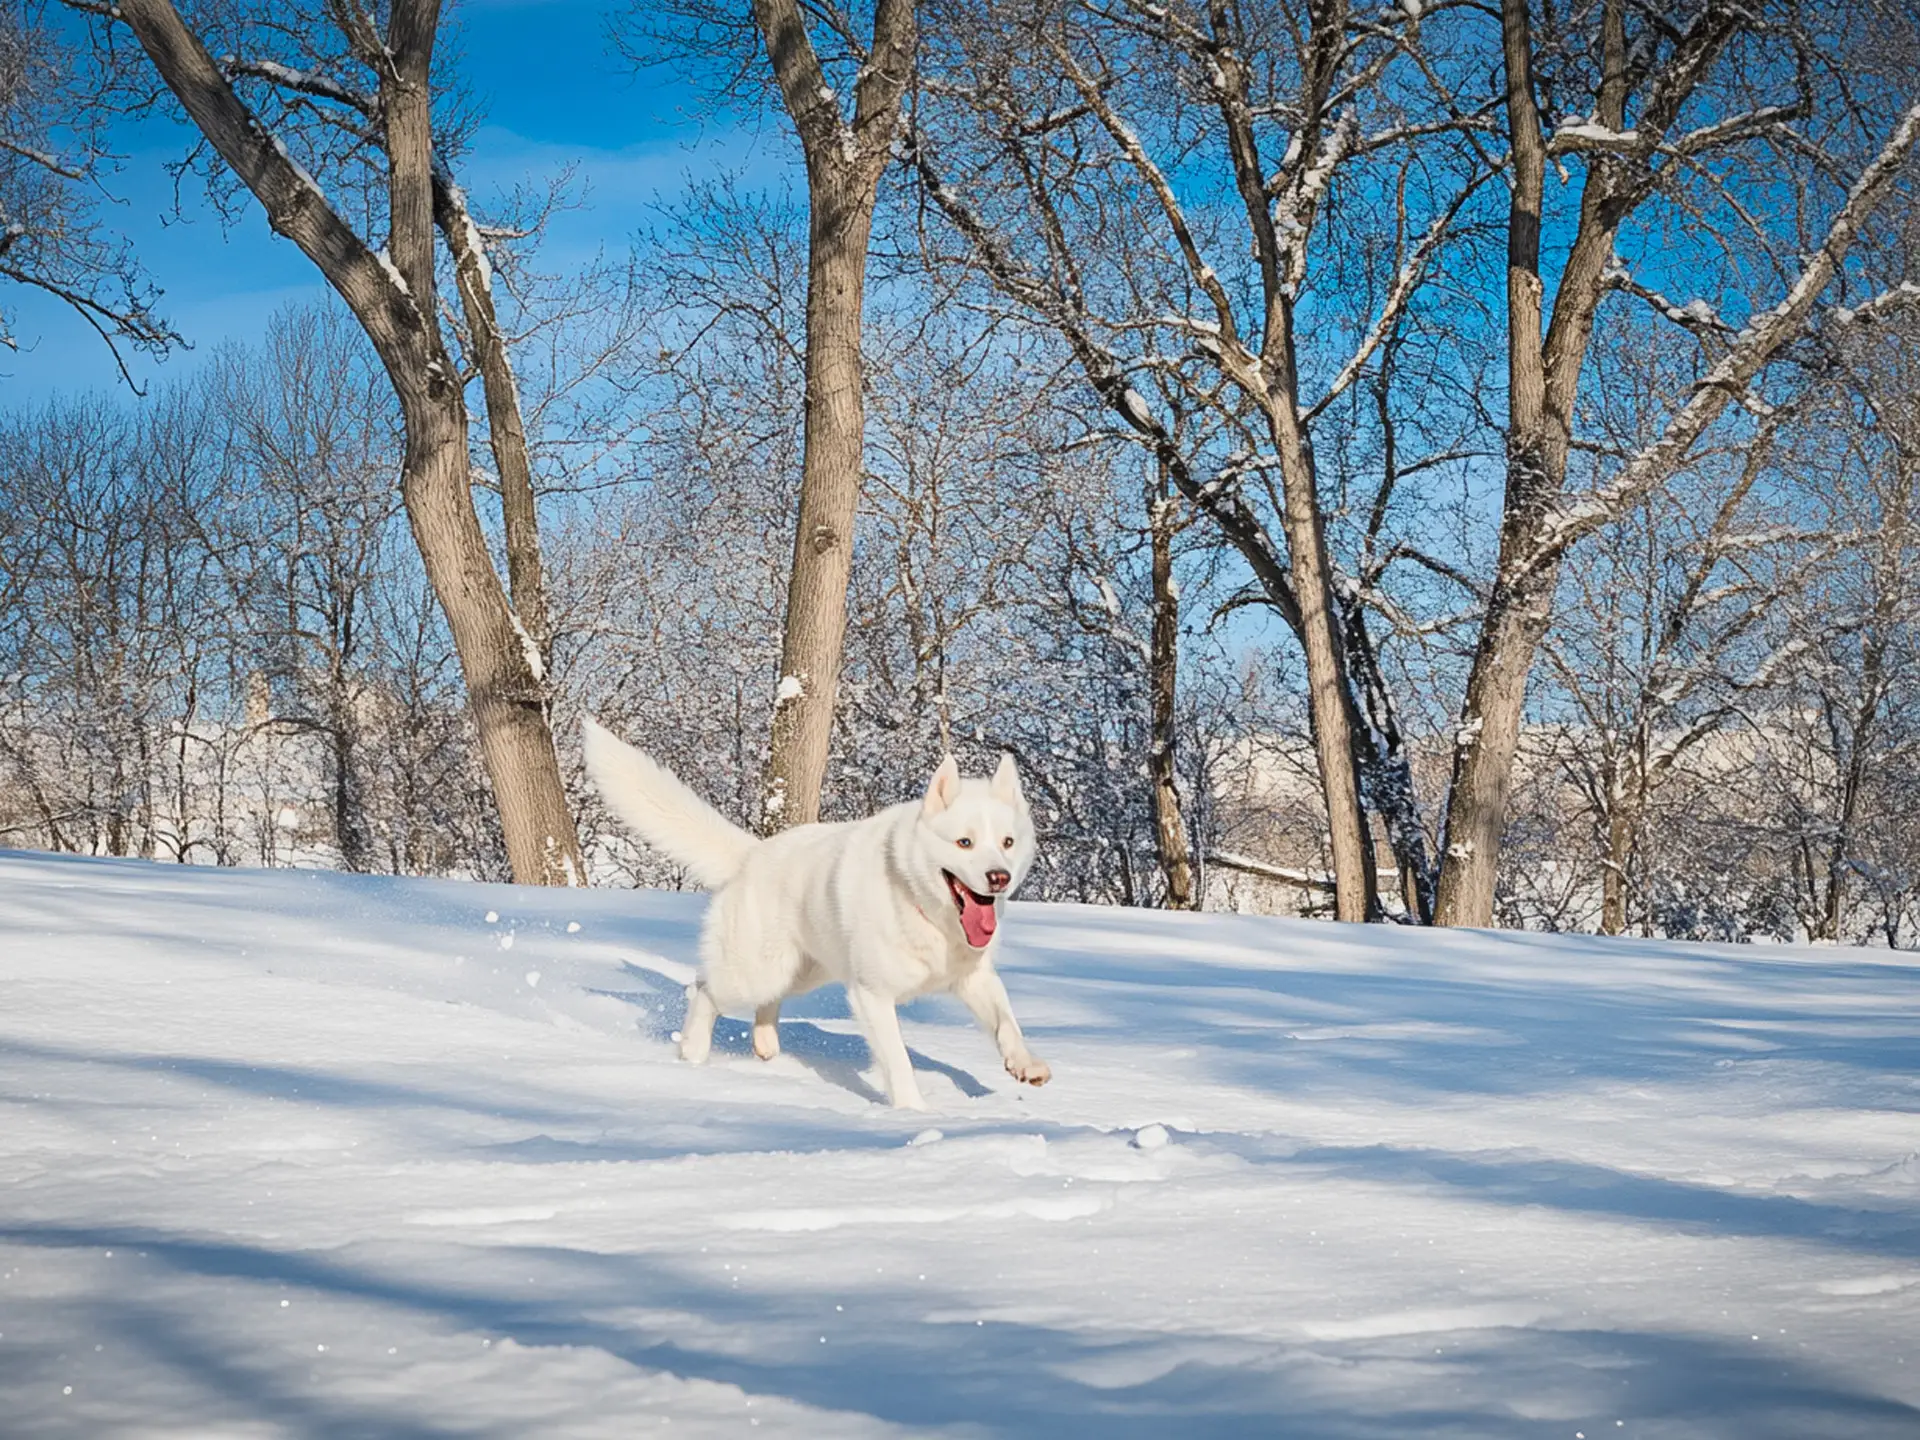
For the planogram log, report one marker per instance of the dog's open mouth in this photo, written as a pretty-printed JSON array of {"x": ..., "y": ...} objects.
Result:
[{"x": 977, "y": 915}]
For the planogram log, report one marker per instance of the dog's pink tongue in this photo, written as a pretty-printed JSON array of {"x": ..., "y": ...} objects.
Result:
[{"x": 977, "y": 920}]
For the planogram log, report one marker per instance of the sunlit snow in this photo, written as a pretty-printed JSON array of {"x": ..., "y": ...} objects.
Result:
[{"x": 302, "y": 1154}]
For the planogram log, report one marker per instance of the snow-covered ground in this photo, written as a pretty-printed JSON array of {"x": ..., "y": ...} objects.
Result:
[{"x": 298, "y": 1154}]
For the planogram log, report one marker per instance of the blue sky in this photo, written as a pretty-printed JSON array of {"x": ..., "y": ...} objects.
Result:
[{"x": 553, "y": 95}]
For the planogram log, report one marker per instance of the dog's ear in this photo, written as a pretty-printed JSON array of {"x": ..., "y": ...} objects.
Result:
[
  {"x": 1006, "y": 781},
  {"x": 943, "y": 789}
]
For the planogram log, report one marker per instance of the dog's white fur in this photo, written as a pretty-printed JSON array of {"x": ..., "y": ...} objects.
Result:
[{"x": 862, "y": 902}]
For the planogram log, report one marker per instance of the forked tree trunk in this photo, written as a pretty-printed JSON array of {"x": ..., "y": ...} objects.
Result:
[
  {"x": 393, "y": 299},
  {"x": 1520, "y": 602},
  {"x": 845, "y": 160}
]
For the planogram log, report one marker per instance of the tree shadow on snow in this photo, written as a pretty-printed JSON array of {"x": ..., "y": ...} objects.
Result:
[
  {"x": 1306, "y": 1031},
  {"x": 892, "y": 1358},
  {"x": 1587, "y": 1189}
]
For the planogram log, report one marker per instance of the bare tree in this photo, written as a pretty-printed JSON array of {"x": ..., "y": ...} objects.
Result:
[
  {"x": 391, "y": 291},
  {"x": 1853, "y": 718},
  {"x": 1670, "y": 635},
  {"x": 315, "y": 441},
  {"x": 89, "y": 639},
  {"x": 845, "y": 159},
  {"x": 1672, "y": 96},
  {"x": 1109, "y": 169}
]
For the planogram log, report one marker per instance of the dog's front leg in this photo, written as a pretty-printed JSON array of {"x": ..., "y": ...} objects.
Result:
[
  {"x": 766, "y": 1031},
  {"x": 986, "y": 997},
  {"x": 881, "y": 1022}
]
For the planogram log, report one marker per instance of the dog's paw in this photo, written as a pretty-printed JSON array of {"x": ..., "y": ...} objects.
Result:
[
  {"x": 1030, "y": 1071},
  {"x": 766, "y": 1041}
]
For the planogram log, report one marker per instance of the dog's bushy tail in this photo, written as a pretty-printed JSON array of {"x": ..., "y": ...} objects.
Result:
[{"x": 663, "y": 811}]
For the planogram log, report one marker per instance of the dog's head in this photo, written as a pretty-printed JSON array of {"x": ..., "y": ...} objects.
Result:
[{"x": 979, "y": 835}]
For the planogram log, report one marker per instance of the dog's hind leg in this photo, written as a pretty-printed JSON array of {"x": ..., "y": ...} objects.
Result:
[
  {"x": 696, "y": 1031},
  {"x": 766, "y": 1031}
]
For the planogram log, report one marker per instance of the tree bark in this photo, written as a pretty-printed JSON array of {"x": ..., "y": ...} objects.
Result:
[
  {"x": 844, "y": 164},
  {"x": 506, "y": 425},
  {"x": 1329, "y": 693},
  {"x": 393, "y": 300},
  {"x": 1163, "y": 667},
  {"x": 830, "y": 475},
  {"x": 1622, "y": 832},
  {"x": 1384, "y": 769}
]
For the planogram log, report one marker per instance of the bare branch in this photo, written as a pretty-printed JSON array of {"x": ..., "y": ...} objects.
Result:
[{"x": 1748, "y": 354}]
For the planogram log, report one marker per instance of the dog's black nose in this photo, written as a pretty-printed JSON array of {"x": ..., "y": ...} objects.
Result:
[{"x": 998, "y": 880}]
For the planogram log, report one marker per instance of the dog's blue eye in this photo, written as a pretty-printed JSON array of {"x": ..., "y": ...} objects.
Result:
[{"x": 964, "y": 842}]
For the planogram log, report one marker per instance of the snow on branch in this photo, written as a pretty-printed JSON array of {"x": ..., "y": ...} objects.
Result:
[
  {"x": 1303, "y": 188},
  {"x": 1727, "y": 380},
  {"x": 1738, "y": 127},
  {"x": 1696, "y": 315},
  {"x": 1266, "y": 870},
  {"x": 43, "y": 159},
  {"x": 304, "y": 82},
  {"x": 1900, "y": 297},
  {"x": 1589, "y": 136},
  {"x": 1285, "y": 874}
]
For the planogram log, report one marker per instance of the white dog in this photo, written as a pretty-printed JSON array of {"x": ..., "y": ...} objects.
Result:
[{"x": 897, "y": 905}]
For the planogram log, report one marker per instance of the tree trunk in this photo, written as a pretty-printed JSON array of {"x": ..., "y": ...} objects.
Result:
[
  {"x": 841, "y": 216},
  {"x": 1329, "y": 696},
  {"x": 1853, "y": 780},
  {"x": 1385, "y": 771},
  {"x": 844, "y": 164},
  {"x": 349, "y": 818},
  {"x": 1623, "y": 826},
  {"x": 1485, "y": 746},
  {"x": 504, "y": 691},
  {"x": 1170, "y": 825}
]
